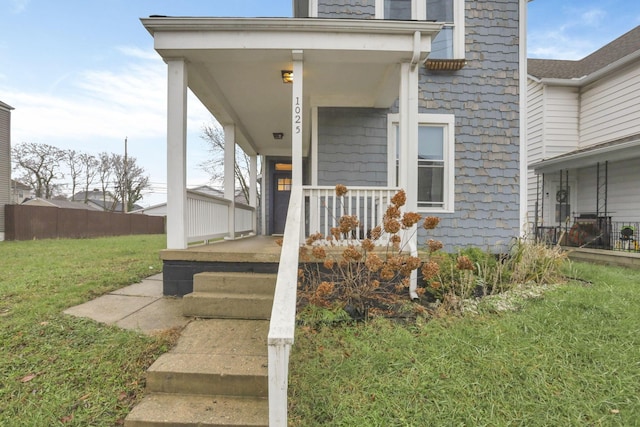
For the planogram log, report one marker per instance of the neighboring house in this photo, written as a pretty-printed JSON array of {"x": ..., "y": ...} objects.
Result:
[
  {"x": 584, "y": 145},
  {"x": 59, "y": 203},
  {"x": 20, "y": 192},
  {"x": 96, "y": 199},
  {"x": 377, "y": 94},
  {"x": 5, "y": 161}
]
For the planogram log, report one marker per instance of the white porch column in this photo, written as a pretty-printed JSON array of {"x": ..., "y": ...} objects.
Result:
[
  {"x": 177, "y": 154},
  {"x": 296, "y": 119},
  {"x": 253, "y": 189},
  {"x": 408, "y": 176},
  {"x": 229, "y": 176}
]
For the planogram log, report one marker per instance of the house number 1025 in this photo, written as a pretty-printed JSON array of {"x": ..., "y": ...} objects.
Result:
[{"x": 297, "y": 116}]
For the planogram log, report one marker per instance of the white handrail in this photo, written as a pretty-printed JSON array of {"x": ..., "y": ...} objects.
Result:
[
  {"x": 283, "y": 313},
  {"x": 207, "y": 217}
]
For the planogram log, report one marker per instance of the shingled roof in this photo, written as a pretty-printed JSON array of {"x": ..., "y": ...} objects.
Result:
[{"x": 561, "y": 69}]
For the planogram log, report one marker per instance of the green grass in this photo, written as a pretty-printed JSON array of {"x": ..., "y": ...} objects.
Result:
[
  {"x": 571, "y": 358},
  {"x": 60, "y": 370}
]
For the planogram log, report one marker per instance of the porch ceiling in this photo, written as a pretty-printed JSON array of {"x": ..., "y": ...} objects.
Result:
[{"x": 234, "y": 67}]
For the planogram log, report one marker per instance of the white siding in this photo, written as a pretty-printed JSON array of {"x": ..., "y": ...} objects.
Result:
[
  {"x": 610, "y": 108},
  {"x": 5, "y": 164},
  {"x": 561, "y": 119},
  {"x": 535, "y": 134},
  {"x": 623, "y": 190}
]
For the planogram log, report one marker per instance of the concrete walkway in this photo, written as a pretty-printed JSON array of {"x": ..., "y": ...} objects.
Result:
[{"x": 140, "y": 306}]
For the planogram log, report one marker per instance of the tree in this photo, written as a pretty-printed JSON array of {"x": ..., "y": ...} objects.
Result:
[
  {"x": 90, "y": 167},
  {"x": 40, "y": 165},
  {"x": 72, "y": 159},
  {"x": 214, "y": 166},
  {"x": 104, "y": 174},
  {"x": 130, "y": 180}
]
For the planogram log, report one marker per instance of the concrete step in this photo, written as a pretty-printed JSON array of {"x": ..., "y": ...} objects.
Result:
[
  {"x": 230, "y": 375},
  {"x": 218, "y": 305},
  {"x": 240, "y": 283},
  {"x": 176, "y": 410}
]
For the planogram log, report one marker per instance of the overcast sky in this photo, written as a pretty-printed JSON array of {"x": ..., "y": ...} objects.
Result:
[{"x": 82, "y": 74}]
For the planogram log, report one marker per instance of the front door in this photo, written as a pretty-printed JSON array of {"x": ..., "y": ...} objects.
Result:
[{"x": 281, "y": 195}]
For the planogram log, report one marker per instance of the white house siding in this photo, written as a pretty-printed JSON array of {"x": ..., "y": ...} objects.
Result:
[
  {"x": 5, "y": 164},
  {"x": 561, "y": 120},
  {"x": 535, "y": 132},
  {"x": 610, "y": 108},
  {"x": 623, "y": 198}
]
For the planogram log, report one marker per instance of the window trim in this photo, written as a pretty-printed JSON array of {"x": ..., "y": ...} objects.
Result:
[
  {"x": 447, "y": 121},
  {"x": 419, "y": 13}
]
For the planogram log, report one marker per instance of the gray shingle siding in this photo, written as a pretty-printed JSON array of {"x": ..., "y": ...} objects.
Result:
[
  {"x": 484, "y": 98},
  {"x": 355, "y": 9},
  {"x": 352, "y": 146}
]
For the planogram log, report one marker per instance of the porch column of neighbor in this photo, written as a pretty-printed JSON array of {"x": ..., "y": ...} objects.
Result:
[
  {"x": 408, "y": 176},
  {"x": 253, "y": 190},
  {"x": 177, "y": 237},
  {"x": 229, "y": 176},
  {"x": 296, "y": 119}
]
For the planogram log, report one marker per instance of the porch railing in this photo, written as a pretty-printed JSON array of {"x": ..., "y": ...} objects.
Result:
[
  {"x": 207, "y": 217},
  {"x": 610, "y": 235},
  {"x": 283, "y": 313},
  {"x": 325, "y": 208}
]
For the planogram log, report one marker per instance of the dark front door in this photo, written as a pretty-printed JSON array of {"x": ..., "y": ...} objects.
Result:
[{"x": 281, "y": 195}]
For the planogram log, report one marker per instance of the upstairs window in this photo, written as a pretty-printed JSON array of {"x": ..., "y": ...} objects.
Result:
[{"x": 449, "y": 43}]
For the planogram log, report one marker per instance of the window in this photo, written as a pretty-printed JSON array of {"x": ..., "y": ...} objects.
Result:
[
  {"x": 284, "y": 184},
  {"x": 435, "y": 162},
  {"x": 449, "y": 43}
]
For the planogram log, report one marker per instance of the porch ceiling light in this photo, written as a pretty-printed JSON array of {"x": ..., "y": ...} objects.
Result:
[
  {"x": 287, "y": 76},
  {"x": 278, "y": 135}
]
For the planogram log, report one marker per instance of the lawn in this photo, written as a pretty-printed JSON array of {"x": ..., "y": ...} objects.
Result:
[
  {"x": 61, "y": 370},
  {"x": 570, "y": 358}
]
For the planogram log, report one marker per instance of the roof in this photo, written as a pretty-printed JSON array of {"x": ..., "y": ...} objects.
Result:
[
  {"x": 5, "y": 106},
  {"x": 59, "y": 203},
  {"x": 17, "y": 185},
  {"x": 618, "y": 149},
  {"x": 623, "y": 46}
]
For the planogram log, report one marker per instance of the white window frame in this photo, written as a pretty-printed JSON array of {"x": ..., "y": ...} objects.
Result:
[
  {"x": 447, "y": 121},
  {"x": 419, "y": 13}
]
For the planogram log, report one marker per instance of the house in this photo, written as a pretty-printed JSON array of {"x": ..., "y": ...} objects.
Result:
[
  {"x": 584, "y": 146},
  {"x": 423, "y": 96},
  {"x": 5, "y": 161},
  {"x": 377, "y": 95},
  {"x": 20, "y": 192},
  {"x": 60, "y": 203},
  {"x": 100, "y": 201}
]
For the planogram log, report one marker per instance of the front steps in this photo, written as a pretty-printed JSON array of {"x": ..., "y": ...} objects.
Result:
[
  {"x": 217, "y": 373},
  {"x": 230, "y": 296}
]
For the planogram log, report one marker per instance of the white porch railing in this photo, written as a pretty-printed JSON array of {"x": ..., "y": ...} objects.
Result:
[
  {"x": 207, "y": 217},
  {"x": 367, "y": 203},
  {"x": 283, "y": 313}
]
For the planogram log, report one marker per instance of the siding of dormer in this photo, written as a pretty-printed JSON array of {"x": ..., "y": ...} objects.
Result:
[{"x": 354, "y": 9}]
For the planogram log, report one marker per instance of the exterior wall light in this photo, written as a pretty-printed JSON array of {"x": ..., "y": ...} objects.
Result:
[{"x": 287, "y": 76}]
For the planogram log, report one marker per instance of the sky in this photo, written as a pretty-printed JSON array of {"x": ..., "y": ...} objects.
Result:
[{"x": 83, "y": 75}]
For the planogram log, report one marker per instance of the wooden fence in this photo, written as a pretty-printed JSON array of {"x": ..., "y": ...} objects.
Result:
[{"x": 23, "y": 222}]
